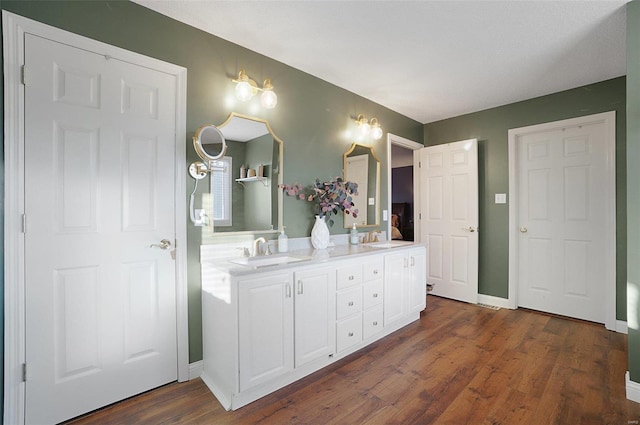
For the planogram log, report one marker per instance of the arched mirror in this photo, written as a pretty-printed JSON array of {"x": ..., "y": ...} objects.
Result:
[
  {"x": 244, "y": 182},
  {"x": 362, "y": 166},
  {"x": 209, "y": 143}
]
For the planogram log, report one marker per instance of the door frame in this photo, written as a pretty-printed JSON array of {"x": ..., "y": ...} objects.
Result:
[
  {"x": 392, "y": 139},
  {"x": 609, "y": 120},
  {"x": 14, "y": 29}
]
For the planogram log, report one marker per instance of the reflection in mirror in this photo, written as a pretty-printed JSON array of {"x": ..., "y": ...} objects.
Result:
[
  {"x": 361, "y": 166},
  {"x": 244, "y": 183}
]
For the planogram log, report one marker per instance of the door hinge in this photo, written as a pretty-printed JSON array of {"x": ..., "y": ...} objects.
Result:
[
  {"x": 23, "y": 75},
  {"x": 24, "y": 372},
  {"x": 419, "y": 164},
  {"x": 24, "y": 223}
]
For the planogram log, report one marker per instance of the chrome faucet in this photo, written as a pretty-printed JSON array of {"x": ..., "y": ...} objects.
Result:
[{"x": 256, "y": 246}]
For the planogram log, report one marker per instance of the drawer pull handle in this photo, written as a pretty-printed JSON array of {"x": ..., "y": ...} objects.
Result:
[
  {"x": 350, "y": 303},
  {"x": 351, "y": 277},
  {"x": 375, "y": 271},
  {"x": 375, "y": 323},
  {"x": 375, "y": 295},
  {"x": 350, "y": 333}
]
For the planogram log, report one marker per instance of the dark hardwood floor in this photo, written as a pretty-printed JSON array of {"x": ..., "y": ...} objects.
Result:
[{"x": 459, "y": 364}]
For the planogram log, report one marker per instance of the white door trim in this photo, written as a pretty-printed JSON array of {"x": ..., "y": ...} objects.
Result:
[
  {"x": 392, "y": 139},
  {"x": 609, "y": 119},
  {"x": 14, "y": 28}
]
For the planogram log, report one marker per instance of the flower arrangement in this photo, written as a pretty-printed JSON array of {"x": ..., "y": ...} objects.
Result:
[{"x": 329, "y": 197}]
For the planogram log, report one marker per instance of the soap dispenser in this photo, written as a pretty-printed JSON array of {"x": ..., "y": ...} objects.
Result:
[
  {"x": 353, "y": 237},
  {"x": 283, "y": 242}
]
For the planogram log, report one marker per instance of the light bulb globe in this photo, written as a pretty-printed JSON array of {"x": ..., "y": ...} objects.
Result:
[
  {"x": 244, "y": 91},
  {"x": 269, "y": 99},
  {"x": 376, "y": 133}
]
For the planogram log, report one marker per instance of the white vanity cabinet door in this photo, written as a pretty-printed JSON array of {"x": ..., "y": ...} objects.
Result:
[
  {"x": 396, "y": 271},
  {"x": 418, "y": 271},
  {"x": 265, "y": 318},
  {"x": 314, "y": 314},
  {"x": 405, "y": 288}
]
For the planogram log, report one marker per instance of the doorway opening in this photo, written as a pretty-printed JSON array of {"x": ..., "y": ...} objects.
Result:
[
  {"x": 403, "y": 189},
  {"x": 402, "y": 206}
]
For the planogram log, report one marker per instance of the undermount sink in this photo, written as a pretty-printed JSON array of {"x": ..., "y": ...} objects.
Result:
[
  {"x": 388, "y": 244},
  {"x": 270, "y": 260}
]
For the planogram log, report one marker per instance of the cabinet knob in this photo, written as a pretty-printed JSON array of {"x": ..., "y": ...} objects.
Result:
[
  {"x": 351, "y": 277},
  {"x": 375, "y": 323},
  {"x": 350, "y": 303},
  {"x": 350, "y": 333},
  {"x": 375, "y": 295},
  {"x": 375, "y": 271}
]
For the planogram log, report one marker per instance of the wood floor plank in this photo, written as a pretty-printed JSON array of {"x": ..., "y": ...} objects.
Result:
[{"x": 459, "y": 364}]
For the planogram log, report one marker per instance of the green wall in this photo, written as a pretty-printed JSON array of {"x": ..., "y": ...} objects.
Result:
[
  {"x": 633, "y": 190},
  {"x": 311, "y": 116},
  {"x": 491, "y": 127}
]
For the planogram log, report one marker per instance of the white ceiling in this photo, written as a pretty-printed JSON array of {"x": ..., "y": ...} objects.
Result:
[{"x": 428, "y": 60}]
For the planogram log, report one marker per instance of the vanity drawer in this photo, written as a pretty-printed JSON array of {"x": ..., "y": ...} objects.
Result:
[
  {"x": 373, "y": 269},
  {"x": 349, "y": 276},
  {"x": 373, "y": 291},
  {"x": 348, "y": 302},
  {"x": 372, "y": 321},
  {"x": 349, "y": 332}
]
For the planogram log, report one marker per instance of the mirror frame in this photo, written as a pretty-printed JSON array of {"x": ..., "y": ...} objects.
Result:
[
  {"x": 275, "y": 186},
  {"x": 352, "y": 148},
  {"x": 197, "y": 144}
]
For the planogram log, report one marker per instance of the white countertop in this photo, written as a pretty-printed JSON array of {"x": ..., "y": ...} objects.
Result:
[{"x": 302, "y": 257}]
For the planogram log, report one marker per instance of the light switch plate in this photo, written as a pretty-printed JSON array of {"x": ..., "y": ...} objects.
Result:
[
  {"x": 501, "y": 198},
  {"x": 372, "y": 201},
  {"x": 385, "y": 215}
]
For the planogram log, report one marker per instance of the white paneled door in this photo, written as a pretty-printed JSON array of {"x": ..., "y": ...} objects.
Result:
[
  {"x": 99, "y": 191},
  {"x": 562, "y": 214},
  {"x": 449, "y": 211}
]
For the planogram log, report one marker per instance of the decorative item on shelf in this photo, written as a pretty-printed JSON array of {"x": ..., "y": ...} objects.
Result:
[
  {"x": 243, "y": 171},
  {"x": 329, "y": 198},
  {"x": 246, "y": 88},
  {"x": 369, "y": 127},
  {"x": 251, "y": 172}
]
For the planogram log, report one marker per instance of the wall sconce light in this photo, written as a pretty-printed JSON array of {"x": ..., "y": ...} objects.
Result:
[
  {"x": 365, "y": 127},
  {"x": 246, "y": 88}
]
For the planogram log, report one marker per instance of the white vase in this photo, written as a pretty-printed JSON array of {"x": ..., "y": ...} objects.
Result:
[{"x": 320, "y": 234}]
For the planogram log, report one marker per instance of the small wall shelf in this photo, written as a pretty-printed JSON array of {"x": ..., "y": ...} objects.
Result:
[{"x": 264, "y": 180}]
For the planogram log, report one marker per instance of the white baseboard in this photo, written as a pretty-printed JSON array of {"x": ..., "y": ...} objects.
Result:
[
  {"x": 621, "y": 327},
  {"x": 195, "y": 370},
  {"x": 495, "y": 301},
  {"x": 633, "y": 389}
]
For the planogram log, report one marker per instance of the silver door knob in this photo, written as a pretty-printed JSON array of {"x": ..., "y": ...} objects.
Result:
[
  {"x": 470, "y": 229},
  {"x": 523, "y": 230},
  {"x": 164, "y": 244}
]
